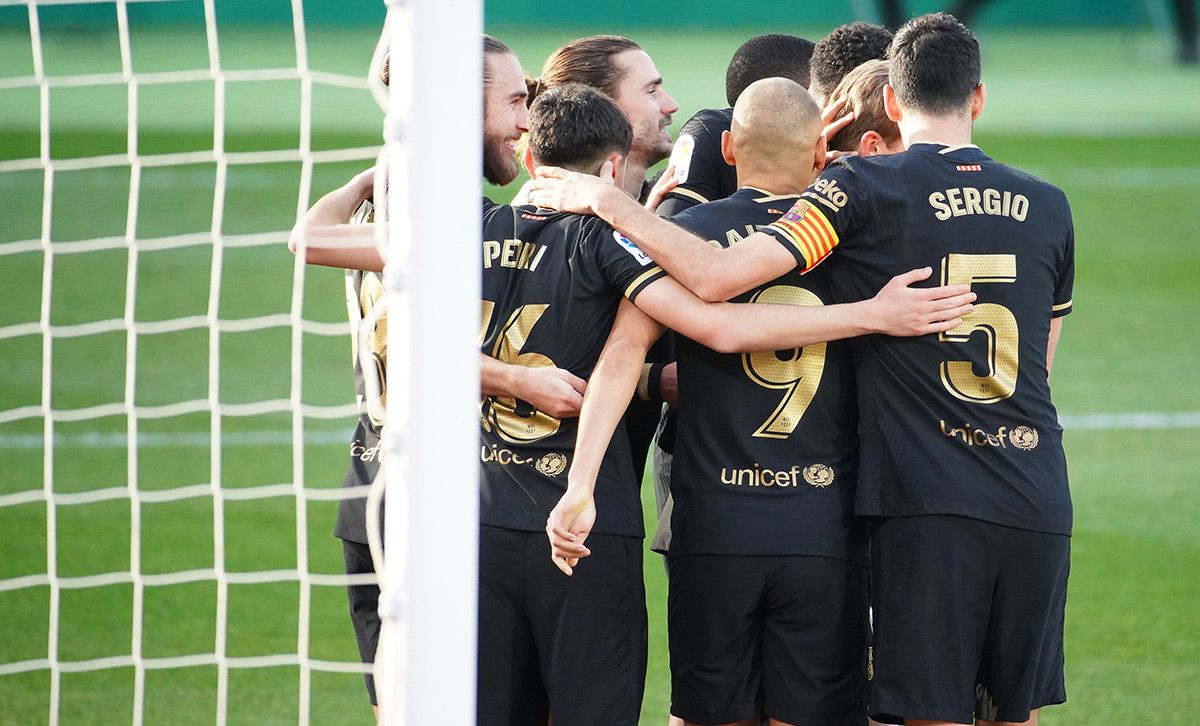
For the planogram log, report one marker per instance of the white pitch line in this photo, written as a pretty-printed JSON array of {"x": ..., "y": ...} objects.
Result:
[
  {"x": 114, "y": 440},
  {"x": 281, "y": 437}
]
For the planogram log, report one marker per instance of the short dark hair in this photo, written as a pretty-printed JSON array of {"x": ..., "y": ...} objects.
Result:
[
  {"x": 935, "y": 64},
  {"x": 577, "y": 127},
  {"x": 768, "y": 56},
  {"x": 585, "y": 60},
  {"x": 843, "y": 50}
]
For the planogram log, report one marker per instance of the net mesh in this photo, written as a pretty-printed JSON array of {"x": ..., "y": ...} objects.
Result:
[{"x": 39, "y": 415}]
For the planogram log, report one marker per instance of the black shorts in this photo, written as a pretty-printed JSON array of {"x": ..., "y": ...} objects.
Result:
[
  {"x": 551, "y": 646},
  {"x": 364, "y": 606},
  {"x": 968, "y": 618},
  {"x": 784, "y": 636}
]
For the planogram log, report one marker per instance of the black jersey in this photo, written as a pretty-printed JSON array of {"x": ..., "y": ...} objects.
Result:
[
  {"x": 767, "y": 443},
  {"x": 551, "y": 286},
  {"x": 368, "y": 326},
  {"x": 709, "y": 178},
  {"x": 959, "y": 423}
]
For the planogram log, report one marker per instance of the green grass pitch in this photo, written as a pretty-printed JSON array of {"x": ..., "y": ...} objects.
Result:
[{"x": 1117, "y": 129}]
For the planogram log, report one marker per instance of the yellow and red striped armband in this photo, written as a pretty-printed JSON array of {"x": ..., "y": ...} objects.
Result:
[{"x": 809, "y": 233}]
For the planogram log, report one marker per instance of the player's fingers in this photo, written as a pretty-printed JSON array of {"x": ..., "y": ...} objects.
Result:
[
  {"x": 832, "y": 127},
  {"x": 831, "y": 111},
  {"x": 561, "y": 564},
  {"x": 554, "y": 172},
  {"x": 943, "y": 325},
  {"x": 576, "y": 382},
  {"x": 908, "y": 278},
  {"x": 608, "y": 172},
  {"x": 561, "y": 532},
  {"x": 946, "y": 291},
  {"x": 955, "y": 301}
]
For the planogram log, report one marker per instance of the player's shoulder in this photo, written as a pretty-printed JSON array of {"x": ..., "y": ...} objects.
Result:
[
  {"x": 708, "y": 122},
  {"x": 1034, "y": 184}
]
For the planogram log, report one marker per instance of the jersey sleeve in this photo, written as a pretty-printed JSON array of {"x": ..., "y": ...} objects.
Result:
[
  {"x": 1066, "y": 272},
  {"x": 826, "y": 214},
  {"x": 620, "y": 262},
  {"x": 705, "y": 165}
]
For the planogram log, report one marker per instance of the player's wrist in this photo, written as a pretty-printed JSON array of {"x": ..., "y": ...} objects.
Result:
[{"x": 611, "y": 204}]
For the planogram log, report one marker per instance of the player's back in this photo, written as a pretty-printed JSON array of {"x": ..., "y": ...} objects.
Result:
[
  {"x": 552, "y": 283},
  {"x": 962, "y": 422},
  {"x": 767, "y": 443}
]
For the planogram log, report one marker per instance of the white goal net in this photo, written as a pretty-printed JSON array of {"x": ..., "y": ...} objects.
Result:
[{"x": 177, "y": 402}]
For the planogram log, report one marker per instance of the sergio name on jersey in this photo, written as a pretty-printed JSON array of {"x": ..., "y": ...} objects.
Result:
[
  {"x": 551, "y": 286},
  {"x": 767, "y": 443},
  {"x": 962, "y": 422}
]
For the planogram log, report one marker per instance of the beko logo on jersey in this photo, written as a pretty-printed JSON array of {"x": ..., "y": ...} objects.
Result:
[
  {"x": 817, "y": 475},
  {"x": 827, "y": 192},
  {"x": 632, "y": 249},
  {"x": 512, "y": 253},
  {"x": 961, "y": 201},
  {"x": 1021, "y": 437}
]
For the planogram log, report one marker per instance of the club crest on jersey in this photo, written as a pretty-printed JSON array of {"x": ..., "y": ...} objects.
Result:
[
  {"x": 818, "y": 475},
  {"x": 551, "y": 464},
  {"x": 632, "y": 249}
]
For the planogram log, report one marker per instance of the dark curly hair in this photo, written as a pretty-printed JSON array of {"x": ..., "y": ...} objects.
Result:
[{"x": 843, "y": 50}]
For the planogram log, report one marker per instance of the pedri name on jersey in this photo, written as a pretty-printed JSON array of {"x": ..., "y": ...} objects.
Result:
[{"x": 512, "y": 253}]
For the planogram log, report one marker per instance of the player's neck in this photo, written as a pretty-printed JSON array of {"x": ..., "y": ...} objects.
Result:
[
  {"x": 948, "y": 130},
  {"x": 775, "y": 182},
  {"x": 634, "y": 177}
]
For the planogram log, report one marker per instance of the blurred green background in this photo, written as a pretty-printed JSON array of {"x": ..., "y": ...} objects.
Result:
[{"x": 1084, "y": 95}]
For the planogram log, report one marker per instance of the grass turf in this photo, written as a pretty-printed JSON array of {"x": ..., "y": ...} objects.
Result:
[{"x": 1116, "y": 131}]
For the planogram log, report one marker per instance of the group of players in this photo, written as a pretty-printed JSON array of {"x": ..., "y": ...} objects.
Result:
[{"x": 867, "y": 510}]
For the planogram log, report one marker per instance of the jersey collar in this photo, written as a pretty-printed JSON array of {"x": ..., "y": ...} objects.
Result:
[{"x": 960, "y": 152}]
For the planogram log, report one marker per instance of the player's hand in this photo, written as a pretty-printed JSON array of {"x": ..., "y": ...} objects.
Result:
[
  {"x": 904, "y": 311},
  {"x": 570, "y": 191},
  {"x": 662, "y": 188},
  {"x": 522, "y": 196},
  {"x": 833, "y": 124},
  {"x": 553, "y": 391},
  {"x": 361, "y": 187},
  {"x": 668, "y": 385},
  {"x": 569, "y": 524}
]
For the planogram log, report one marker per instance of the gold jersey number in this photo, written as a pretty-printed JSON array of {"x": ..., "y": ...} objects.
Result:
[
  {"x": 500, "y": 412},
  {"x": 797, "y": 373},
  {"x": 996, "y": 322}
]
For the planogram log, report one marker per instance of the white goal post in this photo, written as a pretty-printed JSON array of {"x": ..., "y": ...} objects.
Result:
[{"x": 425, "y": 668}]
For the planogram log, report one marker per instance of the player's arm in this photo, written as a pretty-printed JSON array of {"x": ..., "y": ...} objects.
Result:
[
  {"x": 608, "y": 394},
  {"x": 714, "y": 274},
  {"x": 897, "y": 310},
  {"x": 1052, "y": 343},
  {"x": 553, "y": 391},
  {"x": 324, "y": 236}
]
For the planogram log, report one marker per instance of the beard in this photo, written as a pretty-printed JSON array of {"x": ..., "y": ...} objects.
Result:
[
  {"x": 649, "y": 145},
  {"x": 499, "y": 162}
]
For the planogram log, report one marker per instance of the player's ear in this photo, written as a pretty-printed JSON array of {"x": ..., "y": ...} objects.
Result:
[
  {"x": 618, "y": 168},
  {"x": 529, "y": 165},
  {"x": 820, "y": 152},
  {"x": 727, "y": 148},
  {"x": 868, "y": 144},
  {"x": 978, "y": 97},
  {"x": 890, "y": 106}
]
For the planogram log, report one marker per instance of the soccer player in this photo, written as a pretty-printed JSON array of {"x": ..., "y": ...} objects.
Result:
[
  {"x": 961, "y": 456},
  {"x": 574, "y": 648},
  {"x": 767, "y": 558},
  {"x": 620, "y": 68},
  {"x": 870, "y": 132},
  {"x": 553, "y": 390},
  {"x": 844, "y": 49},
  {"x": 708, "y": 177}
]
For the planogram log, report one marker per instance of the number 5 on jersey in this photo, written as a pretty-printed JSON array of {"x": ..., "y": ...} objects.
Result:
[{"x": 995, "y": 321}]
